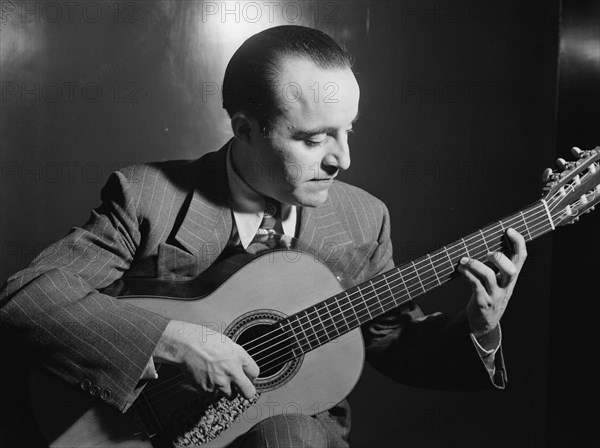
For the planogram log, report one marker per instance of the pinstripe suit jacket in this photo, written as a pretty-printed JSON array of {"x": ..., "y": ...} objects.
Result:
[{"x": 172, "y": 220}]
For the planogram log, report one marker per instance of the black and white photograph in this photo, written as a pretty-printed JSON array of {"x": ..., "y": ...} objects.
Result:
[{"x": 299, "y": 224}]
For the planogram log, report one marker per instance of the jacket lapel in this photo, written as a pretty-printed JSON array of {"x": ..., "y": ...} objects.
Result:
[
  {"x": 322, "y": 233},
  {"x": 207, "y": 224}
]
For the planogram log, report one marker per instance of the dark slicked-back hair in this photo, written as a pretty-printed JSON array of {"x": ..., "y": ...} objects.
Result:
[{"x": 249, "y": 83}]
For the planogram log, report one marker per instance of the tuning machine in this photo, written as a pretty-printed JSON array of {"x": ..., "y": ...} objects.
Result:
[
  {"x": 564, "y": 165},
  {"x": 577, "y": 153},
  {"x": 550, "y": 176}
]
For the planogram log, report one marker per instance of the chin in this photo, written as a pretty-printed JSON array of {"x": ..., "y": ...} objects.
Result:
[{"x": 312, "y": 200}]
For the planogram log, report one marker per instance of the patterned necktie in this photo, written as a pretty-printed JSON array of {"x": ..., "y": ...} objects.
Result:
[{"x": 270, "y": 217}]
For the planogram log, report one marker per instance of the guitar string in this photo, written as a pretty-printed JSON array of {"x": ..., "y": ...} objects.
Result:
[
  {"x": 367, "y": 310},
  {"x": 162, "y": 390},
  {"x": 425, "y": 284},
  {"x": 542, "y": 214},
  {"x": 378, "y": 305},
  {"x": 390, "y": 295},
  {"x": 389, "y": 290},
  {"x": 425, "y": 278},
  {"x": 307, "y": 337}
]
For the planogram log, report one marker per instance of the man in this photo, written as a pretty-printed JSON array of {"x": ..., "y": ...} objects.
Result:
[{"x": 173, "y": 220}]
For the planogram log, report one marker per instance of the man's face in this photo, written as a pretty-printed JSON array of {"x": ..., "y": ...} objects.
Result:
[{"x": 308, "y": 144}]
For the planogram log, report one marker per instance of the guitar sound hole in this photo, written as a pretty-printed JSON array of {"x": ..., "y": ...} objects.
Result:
[
  {"x": 275, "y": 351},
  {"x": 269, "y": 346}
]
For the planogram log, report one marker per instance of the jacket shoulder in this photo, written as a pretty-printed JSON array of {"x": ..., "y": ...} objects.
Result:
[{"x": 346, "y": 195}]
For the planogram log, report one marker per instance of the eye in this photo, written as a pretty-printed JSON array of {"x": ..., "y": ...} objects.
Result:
[{"x": 315, "y": 143}]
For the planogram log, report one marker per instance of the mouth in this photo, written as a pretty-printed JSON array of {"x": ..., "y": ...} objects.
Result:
[{"x": 325, "y": 179}]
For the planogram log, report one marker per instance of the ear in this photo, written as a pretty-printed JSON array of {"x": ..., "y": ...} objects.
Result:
[{"x": 244, "y": 128}]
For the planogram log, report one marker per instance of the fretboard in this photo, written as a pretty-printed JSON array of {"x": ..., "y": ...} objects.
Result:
[{"x": 349, "y": 309}]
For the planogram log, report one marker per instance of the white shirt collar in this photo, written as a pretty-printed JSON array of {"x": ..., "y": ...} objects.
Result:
[{"x": 248, "y": 207}]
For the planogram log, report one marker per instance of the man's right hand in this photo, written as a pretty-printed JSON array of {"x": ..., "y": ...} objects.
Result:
[{"x": 211, "y": 359}]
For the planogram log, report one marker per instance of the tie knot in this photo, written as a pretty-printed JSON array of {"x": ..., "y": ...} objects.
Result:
[{"x": 270, "y": 217}]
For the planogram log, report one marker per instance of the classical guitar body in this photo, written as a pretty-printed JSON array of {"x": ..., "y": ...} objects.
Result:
[{"x": 272, "y": 286}]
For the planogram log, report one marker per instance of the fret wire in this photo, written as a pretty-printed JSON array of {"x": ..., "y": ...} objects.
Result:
[
  {"x": 538, "y": 209},
  {"x": 376, "y": 301},
  {"x": 304, "y": 333},
  {"x": 466, "y": 248},
  {"x": 389, "y": 288},
  {"x": 319, "y": 321},
  {"x": 361, "y": 305},
  {"x": 329, "y": 322},
  {"x": 335, "y": 331},
  {"x": 404, "y": 283},
  {"x": 444, "y": 268},
  {"x": 345, "y": 313},
  {"x": 374, "y": 293},
  {"x": 291, "y": 330},
  {"x": 496, "y": 235},
  {"x": 502, "y": 226},
  {"x": 369, "y": 312},
  {"x": 484, "y": 241},
  {"x": 434, "y": 271},
  {"x": 347, "y": 298},
  {"x": 418, "y": 276},
  {"x": 525, "y": 223},
  {"x": 312, "y": 331},
  {"x": 342, "y": 312}
]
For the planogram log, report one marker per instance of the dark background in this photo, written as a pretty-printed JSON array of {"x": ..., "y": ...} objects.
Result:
[{"x": 459, "y": 104}]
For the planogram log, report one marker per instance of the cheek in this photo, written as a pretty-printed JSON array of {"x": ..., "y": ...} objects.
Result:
[
  {"x": 293, "y": 173},
  {"x": 300, "y": 166}
]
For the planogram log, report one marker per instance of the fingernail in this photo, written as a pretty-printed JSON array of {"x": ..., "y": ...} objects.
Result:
[
  {"x": 464, "y": 260},
  {"x": 511, "y": 231}
]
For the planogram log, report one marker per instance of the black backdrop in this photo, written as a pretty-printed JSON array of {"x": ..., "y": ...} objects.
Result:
[{"x": 457, "y": 123}]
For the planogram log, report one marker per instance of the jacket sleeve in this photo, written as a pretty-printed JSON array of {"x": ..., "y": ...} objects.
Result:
[
  {"x": 54, "y": 310},
  {"x": 433, "y": 351}
]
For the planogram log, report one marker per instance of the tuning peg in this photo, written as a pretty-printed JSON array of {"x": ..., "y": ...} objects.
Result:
[
  {"x": 562, "y": 163},
  {"x": 576, "y": 152},
  {"x": 549, "y": 175}
]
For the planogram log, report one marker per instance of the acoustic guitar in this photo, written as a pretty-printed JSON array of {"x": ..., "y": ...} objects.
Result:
[{"x": 302, "y": 330}]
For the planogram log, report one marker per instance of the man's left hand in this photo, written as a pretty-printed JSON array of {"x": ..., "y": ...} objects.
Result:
[{"x": 491, "y": 290}]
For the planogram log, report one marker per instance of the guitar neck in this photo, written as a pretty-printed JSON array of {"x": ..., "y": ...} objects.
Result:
[{"x": 348, "y": 310}]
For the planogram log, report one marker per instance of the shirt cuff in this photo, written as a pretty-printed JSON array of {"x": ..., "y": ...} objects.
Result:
[
  {"x": 149, "y": 372},
  {"x": 486, "y": 347}
]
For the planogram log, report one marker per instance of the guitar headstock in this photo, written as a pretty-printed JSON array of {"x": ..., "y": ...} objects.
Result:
[{"x": 575, "y": 189}]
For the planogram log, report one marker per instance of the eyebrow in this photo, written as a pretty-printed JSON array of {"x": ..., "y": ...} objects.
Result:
[{"x": 304, "y": 133}]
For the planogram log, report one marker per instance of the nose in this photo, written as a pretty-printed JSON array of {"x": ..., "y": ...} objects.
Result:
[{"x": 338, "y": 155}]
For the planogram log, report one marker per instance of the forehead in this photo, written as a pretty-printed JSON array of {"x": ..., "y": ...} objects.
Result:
[{"x": 311, "y": 96}]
